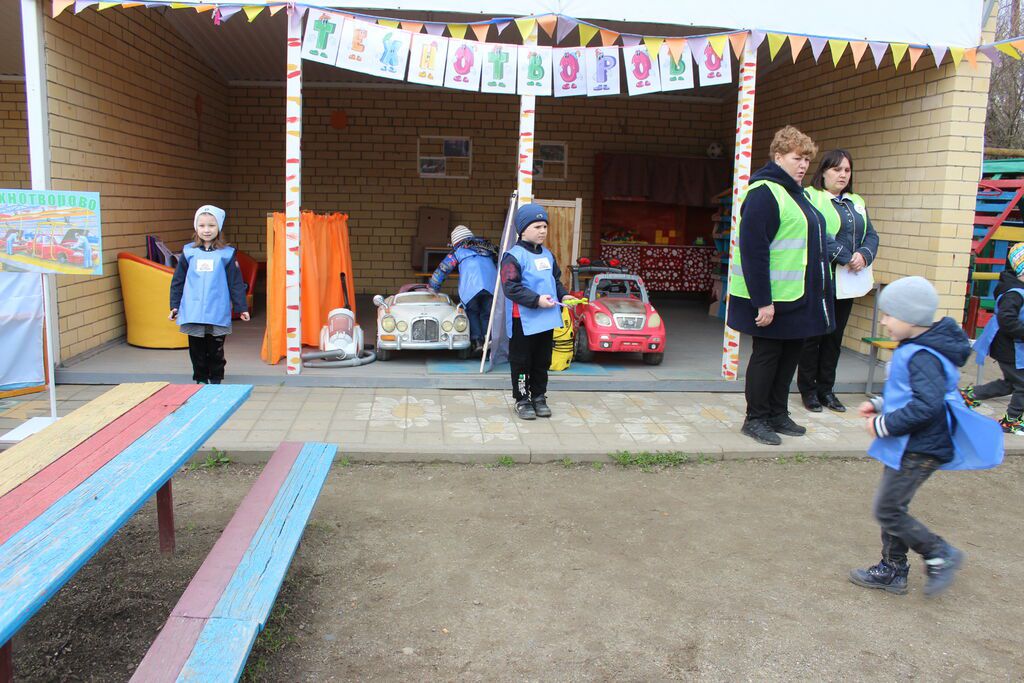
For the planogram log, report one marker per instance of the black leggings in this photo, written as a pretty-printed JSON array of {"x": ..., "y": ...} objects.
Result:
[
  {"x": 769, "y": 373},
  {"x": 207, "y": 354}
]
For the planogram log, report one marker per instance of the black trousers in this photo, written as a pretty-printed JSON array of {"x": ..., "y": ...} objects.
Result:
[
  {"x": 769, "y": 374},
  {"x": 529, "y": 356},
  {"x": 900, "y": 531},
  {"x": 820, "y": 357},
  {"x": 1012, "y": 383},
  {"x": 207, "y": 354},
  {"x": 478, "y": 310}
]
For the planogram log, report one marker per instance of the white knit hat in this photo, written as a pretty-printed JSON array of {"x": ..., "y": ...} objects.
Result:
[
  {"x": 460, "y": 234},
  {"x": 217, "y": 213}
]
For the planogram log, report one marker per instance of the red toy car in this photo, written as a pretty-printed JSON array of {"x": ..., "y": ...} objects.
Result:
[
  {"x": 43, "y": 246},
  {"x": 618, "y": 317}
]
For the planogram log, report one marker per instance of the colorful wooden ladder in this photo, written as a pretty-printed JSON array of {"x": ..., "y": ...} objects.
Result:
[
  {"x": 212, "y": 629},
  {"x": 67, "y": 489}
]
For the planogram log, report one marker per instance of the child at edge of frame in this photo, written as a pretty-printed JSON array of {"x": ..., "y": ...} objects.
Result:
[
  {"x": 920, "y": 424},
  {"x": 531, "y": 282},
  {"x": 206, "y": 286}
]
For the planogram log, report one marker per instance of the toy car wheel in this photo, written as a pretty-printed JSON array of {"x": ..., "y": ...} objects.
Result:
[
  {"x": 383, "y": 354},
  {"x": 583, "y": 353},
  {"x": 464, "y": 354},
  {"x": 654, "y": 358},
  {"x": 61, "y": 258}
]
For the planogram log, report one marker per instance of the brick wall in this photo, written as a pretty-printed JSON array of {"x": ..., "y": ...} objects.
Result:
[{"x": 14, "y": 170}]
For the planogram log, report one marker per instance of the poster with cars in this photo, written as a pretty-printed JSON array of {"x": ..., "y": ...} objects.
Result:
[{"x": 50, "y": 232}]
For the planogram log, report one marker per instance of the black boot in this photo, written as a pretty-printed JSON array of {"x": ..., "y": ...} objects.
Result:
[
  {"x": 540, "y": 407},
  {"x": 892, "y": 578},
  {"x": 759, "y": 430},
  {"x": 525, "y": 411},
  {"x": 783, "y": 424},
  {"x": 941, "y": 569},
  {"x": 811, "y": 402}
]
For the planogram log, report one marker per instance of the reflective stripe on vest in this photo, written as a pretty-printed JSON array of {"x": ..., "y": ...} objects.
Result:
[
  {"x": 787, "y": 253},
  {"x": 822, "y": 201}
]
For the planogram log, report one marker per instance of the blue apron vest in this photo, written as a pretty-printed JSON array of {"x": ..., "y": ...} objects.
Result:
[
  {"x": 983, "y": 343},
  {"x": 538, "y": 275},
  {"x": 977, "y": 440},
  {"x": 477, "y": 273},
  {"x": 206, "y": 299}
]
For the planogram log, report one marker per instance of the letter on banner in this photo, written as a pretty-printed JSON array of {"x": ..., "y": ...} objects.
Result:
[
  {"x": 353, "y": 53},
  {"x": 602, "y": 70},
  {"x": 676, "y": 75},
  {"x": 391, "y": 48},
  {"x": 323, "y": 36},
  {"x": 715, "y": 70},
  {"x": 427, "y": 58},
  {"x": 499, "y": 68},
  {"x": 463, "y": 71},
  {"x": 642, "y": 73},
  {"x": 534, "y": 70},
  {"x": 570, "y": 76}
]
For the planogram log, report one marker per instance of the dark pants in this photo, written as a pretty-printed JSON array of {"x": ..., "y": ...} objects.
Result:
[
  {"x": 207, "y": 354},
  {"x": 820, "y": 355},
  {"x": 769, "y": 374},
  {"x": 1012, "y": 383},
  {"x": 900, "y": 531},
  {"x": 529, "y": 355},
  {"x": 478, "y": 310}
]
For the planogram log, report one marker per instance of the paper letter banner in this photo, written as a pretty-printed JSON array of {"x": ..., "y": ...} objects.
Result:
[
  {"x": 676, "y": 75},
  {"x": 642, "y": 72},
  {"x": 427, "y": 58},
  {"x": 534, "y": 70},
  {"x": 602, "y": 70},
  {"x": 569, "y": 71},
  {"x": 714, "y": 70},
  {"x": 390, "y": 52},
  {"x": 323, "y": 36},
  {"x": 463, "y": 70},
  {"x": 354, "y": 52},
  {"x": 499, "y": 68}
]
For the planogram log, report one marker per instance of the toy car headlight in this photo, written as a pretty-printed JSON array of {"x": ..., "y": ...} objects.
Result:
[
  {"x": 387, "y": 323},
  {"x": 461, "y": 323},
  {"x": 654, "y": 320},
  {"x": 602, "y": 319},
  {"x": 402, "y": 326},
  {"x": 447, "y": 326}
]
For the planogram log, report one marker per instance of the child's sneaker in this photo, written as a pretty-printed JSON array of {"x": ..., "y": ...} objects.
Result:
[
  {"x": 1012, "y": 425},
  {"x": 941, "y": 569},
  {"x": 967, "y": 394},
  {"x": 892, "y": 578}
]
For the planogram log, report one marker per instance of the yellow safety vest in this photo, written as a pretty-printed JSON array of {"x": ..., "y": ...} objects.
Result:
[
  {"x": 787, "y": 257},
  {"x": 822, "y": 201}
]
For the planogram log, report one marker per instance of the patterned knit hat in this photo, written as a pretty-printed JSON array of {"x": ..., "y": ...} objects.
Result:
[
  {"x": 1016, "y": 258},
  {"x": 460, "y": 234}
]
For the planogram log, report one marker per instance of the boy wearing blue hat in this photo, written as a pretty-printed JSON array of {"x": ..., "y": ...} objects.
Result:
[
  {"x": 531, "y": 281},
  {"x": 474, "y": 258}
]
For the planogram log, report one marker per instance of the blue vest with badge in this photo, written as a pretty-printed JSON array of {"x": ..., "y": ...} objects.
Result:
[
  {"x": 977, "y": 440},
  {"x": 206, "y": 299},
  {"x": 983, "y": 343},
  {"x": 477, "y": 273},
  {"x": 538, "y": 275}
]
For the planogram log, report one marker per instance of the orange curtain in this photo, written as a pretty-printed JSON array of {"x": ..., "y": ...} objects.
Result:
[{"x": 325, "y": 256}]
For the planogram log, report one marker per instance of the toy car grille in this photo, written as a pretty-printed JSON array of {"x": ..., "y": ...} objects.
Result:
[
  {"x": 629, "y": 322},
  {"x": 425, "y": 330}
]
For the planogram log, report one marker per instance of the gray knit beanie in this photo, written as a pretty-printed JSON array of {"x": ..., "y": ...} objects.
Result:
[{"x": 910, "y": 299}]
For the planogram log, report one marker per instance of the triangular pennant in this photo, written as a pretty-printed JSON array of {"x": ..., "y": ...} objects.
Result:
[
  {"x": 411, "y": 26},
  {"x": 228, "y": 12},
  {"x": 878, "y": 52},
  {"x": 173, "y": 5},
  {"x": 480, "y": 31},
  {"x": 458, "y": 31},
  {"x": 83, "y": 4},
  {"x": 274, "y": 10},
  {"x": 526, "y": 26},
  {"x": 817, "y": 45},
  {"x": 653, "y": 46},
  {"x": 938, "y": 52},
  {"x": 989, "y": 51},
  {"x": 957, "y": 53},
  {"x": 857, "y": 49},
  {"x": 434, "y": 29},
  {"x": 390, "y": 23},
  {"x": 675, "y": 48},
  {"x": 971, "y": 54},
  {"x": 587, "y": 33},
  {"x": 1007, "y": 48},
  {"x": 796, "y": 46},
  {"x": 697, "y": 47},
  {"x": 1019, "y": 44},
  {"x": 898, "y": 50},
  {"x": 547, "y": 24},
  {"x": 738, "y": 40},
  {"x": 717, "y": 44},
  {"x": 129, "y": 5},
  {"x": 775, "y": 43},
  {"x": 253, "y": 11},
  {"x": 502, "y": 25},
  {"x": 207, "y": 8},
  {"x": 565, "y": 27},
  {"x": 608, "y": 37},
  {"x": 630, "y": 40},
  {"x": 756, "y": 38},
  {"x": 61, "y": 5},
  {"x": 837, "y": 47},
  {"x": 106, "y": 5},
  {"x": 915, "y": 54}
]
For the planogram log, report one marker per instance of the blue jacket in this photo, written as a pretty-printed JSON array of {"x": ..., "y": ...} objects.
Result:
[
  {"x": 523, "y": 284},
  {"x": 1009, "y": 309},
  {"x": 227, "y": 294},
  {"x": 475, "y": 260}
]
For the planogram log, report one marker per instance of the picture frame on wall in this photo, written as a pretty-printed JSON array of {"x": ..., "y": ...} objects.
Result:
[
  {"x": 440, "y": 156},
  {"x": 551, "y": 161},
  {"x": 433, "y": 167}
]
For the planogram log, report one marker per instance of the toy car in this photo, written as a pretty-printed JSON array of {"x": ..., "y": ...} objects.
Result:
[
  {"x": 44, "y": 247},
  {"x": 419, "y": 318},
  {"x": 618, "y": 316}
]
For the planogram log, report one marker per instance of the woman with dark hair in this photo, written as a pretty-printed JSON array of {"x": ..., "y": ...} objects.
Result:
[{"x": 853, "y": 244}]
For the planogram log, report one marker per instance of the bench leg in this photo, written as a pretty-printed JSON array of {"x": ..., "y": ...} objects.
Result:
[
  {"x": 6, "y": 663},
  {"x": 165, "y": 518},
  {"x": 872, "y": 361}
]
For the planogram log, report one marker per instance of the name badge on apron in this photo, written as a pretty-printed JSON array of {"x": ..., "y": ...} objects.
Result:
[
  {"x": 204, "y": 265},
  {"x": 542, "y": 263}
]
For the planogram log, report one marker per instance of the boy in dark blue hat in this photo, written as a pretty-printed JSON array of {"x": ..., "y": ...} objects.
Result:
[{"x": 532, "y": 284}]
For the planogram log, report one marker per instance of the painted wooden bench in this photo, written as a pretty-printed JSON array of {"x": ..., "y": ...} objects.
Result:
[
  {"x": 212, "y": 629},
  {"x": 67, "y": 489}
]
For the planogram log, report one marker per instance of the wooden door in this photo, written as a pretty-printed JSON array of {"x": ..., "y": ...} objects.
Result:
[{"x": 564, "y": 219}]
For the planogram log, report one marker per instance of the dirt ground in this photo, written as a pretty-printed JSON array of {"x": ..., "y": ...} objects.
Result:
[{"x": 720, "y": 571}]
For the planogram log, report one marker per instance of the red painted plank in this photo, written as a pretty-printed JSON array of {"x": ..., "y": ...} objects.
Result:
[
  {"x": 176, "y": 640},
  {"x": 26, "y": 502}
]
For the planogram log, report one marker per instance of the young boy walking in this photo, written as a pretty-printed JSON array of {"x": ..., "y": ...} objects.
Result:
[
  {"x": 912, "y": 425},
  {"x": 474, "y": 258},
  {"x": 532, "y": 284},
  {"x": 1003, "y": 340}
]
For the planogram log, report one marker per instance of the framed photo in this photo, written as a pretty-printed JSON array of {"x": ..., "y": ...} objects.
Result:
[
  {"x": 457, "y": 147},
  {"x": 433, "y": 167},
  {"x": 551, "y": 161},
  {"x": 444, "y": 157}
]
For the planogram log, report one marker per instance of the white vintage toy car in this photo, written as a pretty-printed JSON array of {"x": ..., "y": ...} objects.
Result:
[{"x": 419, "y": 318}]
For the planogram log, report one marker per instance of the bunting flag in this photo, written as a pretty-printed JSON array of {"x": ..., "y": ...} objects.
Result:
[
  {"x": 61, "y": 5},
  {"x": 411, "y": 26},
  {"x": 957, "y": 53},
  {"x": 717, "y": 44},
  {"x": 775, "y": 43},
  {"x": 228, "y": 12},
  {"x": 390, "y": 23},
  {"x": 971, "y": 54},
  {"x": 1019, "y": 44},
  {"x": 1008, "y": 49},
  {"x": 642, "y": 73},
  {"x": 756, "y": 38},
  {"x": 697, "y": 47},
  {"x": 252, "y": 11},
  {"x": 501, "y": 26},
  {"x": 587, "y": 33},
  {"x": 83, "y": 4},
  {"x": 435, "y": 29},
  {"x": 915, "y": 54},
  {"x": 676, "y": 71},
  {"x": 608, "y": 38},
  {"x": 898, "y": 50},
  {"x": 713, "y": 69},
  {"x": 653, "y": 45},
  {"x": 629, "y": 40},
  {"x": 106, "y": 5},
  {"x": 938, "y": 52},
  {"x": 878, "y": 52},
  {"x": 547, "y": 24},
  {"x": 817, "y": 45},
  {"x": 796, "y": 46},
  {"x": 457, "y": 31},
  {"x": 526, "y": 26},
  {"x": 675, "y": 48},
  {"x": 837, "y": 47},
  {"x": 989, "y": 51},
  {"x": 857, "y": 49},
  {"x": 273, "y": 10},
  {"x": 480, "y": 31},
  {"x": 738, "y": 40},
  {"x": 207, "y": 8},
  {"x": 564, "y": 28}
]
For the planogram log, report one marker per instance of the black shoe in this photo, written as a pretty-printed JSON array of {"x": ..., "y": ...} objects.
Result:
[
  {"x": 941, "y": 569},
  {"x": 525, "y": 411},
  {"x": 783, "y": 424},
  {"x": 832, "y": 402},
  {"x": 760, "y": 431},
  {"x": 540, "y": 407},
  {"x": 892, "y": 578},
  {"x": 477, "y": 348},
  {"x": 812, "y": 403}
]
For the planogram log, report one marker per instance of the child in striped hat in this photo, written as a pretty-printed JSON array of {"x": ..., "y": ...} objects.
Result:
[{"x": 475, "y": 258}]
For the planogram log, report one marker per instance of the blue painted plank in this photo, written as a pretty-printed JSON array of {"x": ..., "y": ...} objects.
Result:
[
  {"x": 39, "y": 559},
  {"x": 220, "y": 653}
]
